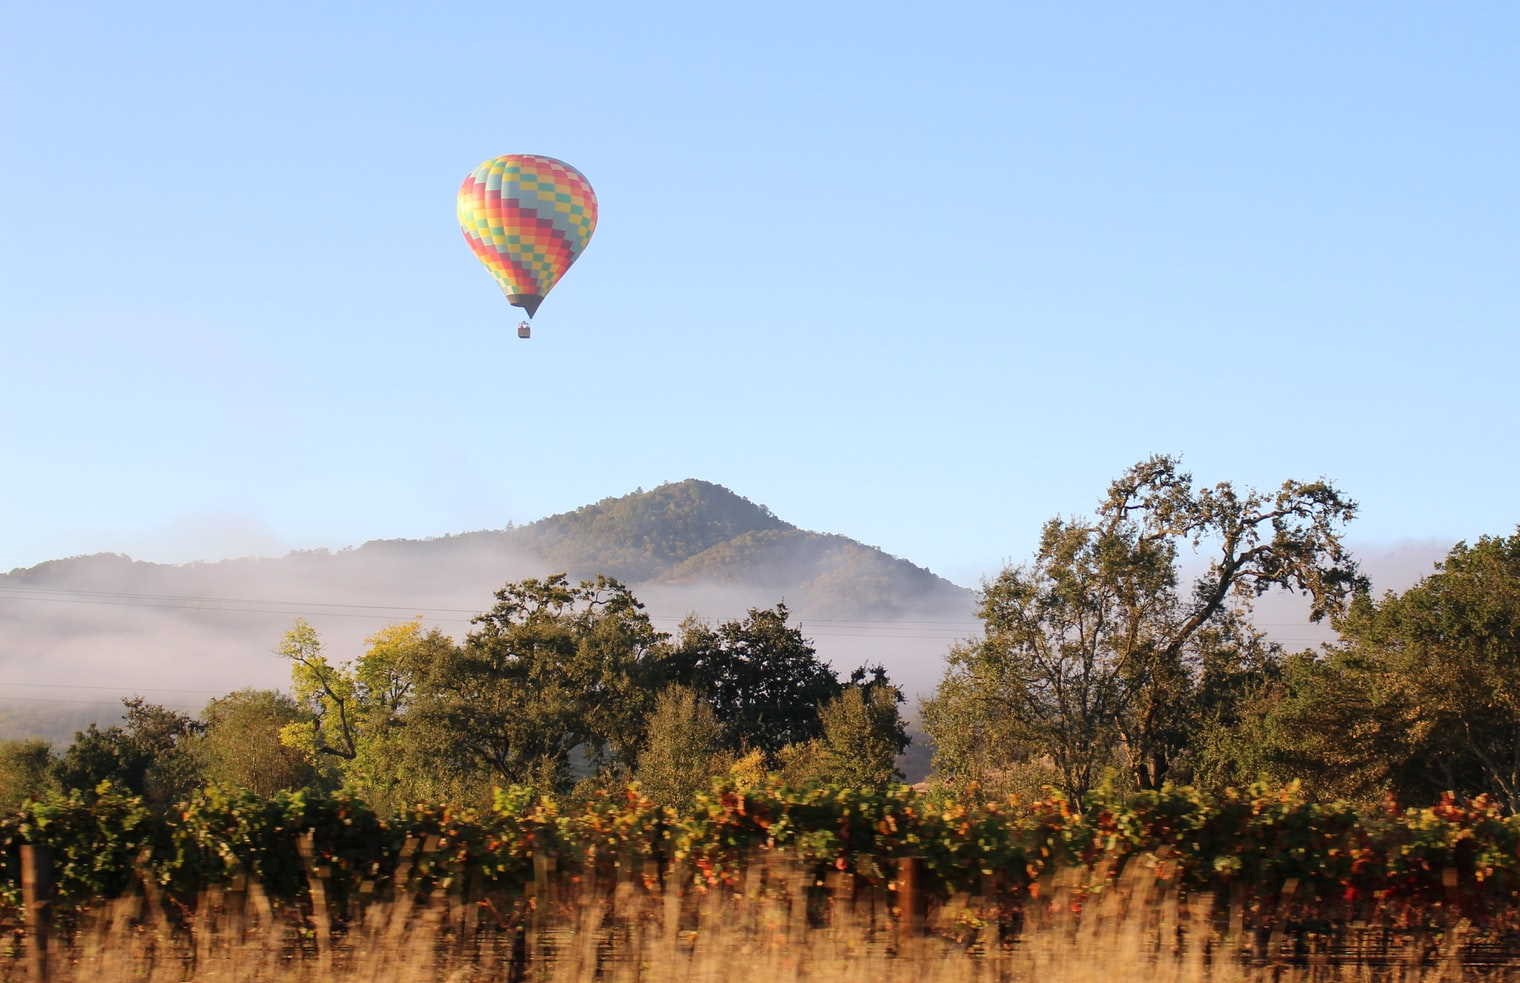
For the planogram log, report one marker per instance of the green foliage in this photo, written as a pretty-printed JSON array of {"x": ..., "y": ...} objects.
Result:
[
  {"x": 329, "y": 695},
  {"x": 1364, "y": 865},
  {"x": 550, "y": 670},
  {"x": 863, "y": 734},
  {"x": 355, "y": 726},
  {"x": 762, "y": 677},
  {"x": 556, "y": 684},
  {"x": 150, "y": 754},
  {"x": 971, "y": 743},
  {"x": 219, "y": 834},
  {"x": 241, "y": 746},
  {"x": 1093, "y": 657},
  {"x": 95, "y": 837},
  {"x": 682, "y": 753},
  {"x": 26, "y": 772},
  {"x": 1233, "y": 671},
  {"x": 1423, "y": 694}
]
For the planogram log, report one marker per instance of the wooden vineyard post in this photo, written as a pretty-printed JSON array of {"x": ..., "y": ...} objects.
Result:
[
  {"x": 909, "y": 923},
  {"x": 1280, "y": 923},
  {"x": 841, "y": 897},
  {"x": 538, "y": 921},
  {"x": 321, "y": 916},
  {"x": 36, "y": 892},
  {"x": 400, "y": 909}
]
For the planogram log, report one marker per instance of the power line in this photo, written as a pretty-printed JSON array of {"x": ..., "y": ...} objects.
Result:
[
  {"x": 219, "y": 599},
  {"x": 112, "y": 689},
  {"x": 369, "y": 612},
  {"x": 223, "y": 599},
  {"x": 220, "y": 609},
  {"x": 917, "y": 629},
  {"x": 196, "y": 599},
  {"x": 83, "y": 703}
]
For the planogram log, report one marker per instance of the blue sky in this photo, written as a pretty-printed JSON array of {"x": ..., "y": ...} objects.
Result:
[{"x": 925, "y": 275}]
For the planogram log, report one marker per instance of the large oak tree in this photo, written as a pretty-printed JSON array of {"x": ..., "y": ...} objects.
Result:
[{"x": 1094, "y": 650}]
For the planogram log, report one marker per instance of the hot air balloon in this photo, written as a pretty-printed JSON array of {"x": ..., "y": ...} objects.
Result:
[{"x": 527, "y": 218}]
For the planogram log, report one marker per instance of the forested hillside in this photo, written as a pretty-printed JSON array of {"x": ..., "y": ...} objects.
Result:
[
  {"x": 689, "y": 533},
  {"x": 77, "y": 634},
  {"x": 644, "y": 535}
]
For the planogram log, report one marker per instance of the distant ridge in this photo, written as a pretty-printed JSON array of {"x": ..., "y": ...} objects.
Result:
[
  {"x": 683, "y": 534},
  {"x": 78, "y": 633}
]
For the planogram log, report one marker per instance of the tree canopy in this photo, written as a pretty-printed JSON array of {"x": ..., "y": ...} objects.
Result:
[
  {"x": 1422, "y": 694},
  {"x": 1101, "y": 665},
  {"x": 763, "y": 678},
  {"x": 1095, "y": 647}
]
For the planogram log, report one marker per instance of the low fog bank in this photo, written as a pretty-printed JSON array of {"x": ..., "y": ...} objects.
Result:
[{"x": 77, "y": 635}]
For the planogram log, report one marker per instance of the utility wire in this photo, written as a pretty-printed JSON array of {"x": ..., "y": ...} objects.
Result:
[
  {"x": 112, "y": 689},
  {"x": 195, "y": 600},
  {"x": 866, "y": 630},
  {"x": 370, "y": 612},
  {"x": 84, "y": 703},
  {"x": 199, "y": 602}
]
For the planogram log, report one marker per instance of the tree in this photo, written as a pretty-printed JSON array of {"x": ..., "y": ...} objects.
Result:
[
  {"x": 863, "y": 733},
  {"x": 1236, "y": 673},
  {"x": 148, "y": 754},
  {"x": 682, "y": 752},
  {"x": 1092, "y": 653},
  {"x": 329, "y": 695},
  {"x": 973, "y": 742},
  {"x": 355, "y": 719},
  {"x": 25, "y": 771},
  {"x": 763, "y": 678},
  {"x": 241, "y": 747},
  {"x": 391, "y": 768},
  {"x": 1422, "y": 696},
  {"x": 1321, "y": 721},
  {"x": 551, "y": 672}
]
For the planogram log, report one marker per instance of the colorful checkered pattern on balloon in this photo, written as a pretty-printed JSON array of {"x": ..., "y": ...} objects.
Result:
[{"x": 527, "y": 218}]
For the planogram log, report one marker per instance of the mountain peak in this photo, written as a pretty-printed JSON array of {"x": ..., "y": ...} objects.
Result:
[
  {"x": 681, "y": 536},
  {"x": 641, "y": 534}
]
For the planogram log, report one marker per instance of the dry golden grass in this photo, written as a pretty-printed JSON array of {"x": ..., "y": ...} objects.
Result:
[{"x": 780, "y": 928}]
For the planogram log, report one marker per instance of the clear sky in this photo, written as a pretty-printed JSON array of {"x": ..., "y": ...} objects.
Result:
[{"x": 922, "y": 274}]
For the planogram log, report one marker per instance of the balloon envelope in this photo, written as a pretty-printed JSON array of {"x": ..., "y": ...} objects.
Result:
[{"x": 527, "y": 218}]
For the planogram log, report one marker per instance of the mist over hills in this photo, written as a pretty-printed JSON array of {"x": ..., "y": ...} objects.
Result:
[
  {"x": 78, "y": 633},
  {"x": 696, "y": 534}
]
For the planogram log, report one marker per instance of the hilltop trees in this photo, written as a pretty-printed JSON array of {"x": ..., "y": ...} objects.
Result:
[
  {"x": 1094, "y": 647},
  {"x": 644, "y": 534}
]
